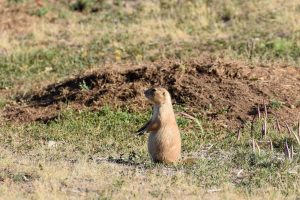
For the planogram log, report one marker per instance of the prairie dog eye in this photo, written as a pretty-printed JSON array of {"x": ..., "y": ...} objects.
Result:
[{"x": 153, "y": 90}]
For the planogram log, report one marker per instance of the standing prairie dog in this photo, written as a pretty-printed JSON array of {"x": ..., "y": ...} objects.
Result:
[{"x": 164, "y": 143}]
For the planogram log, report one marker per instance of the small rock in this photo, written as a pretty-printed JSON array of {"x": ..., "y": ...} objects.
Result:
[
  {"x": 48, "y": 69},
  {"x": 52, "y": 144}
]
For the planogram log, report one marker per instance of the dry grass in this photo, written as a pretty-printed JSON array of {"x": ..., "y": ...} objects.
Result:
[
  {"x": 45, "y": 179},
  {"x": 95, "y": 155},
  {"x": 149, "y": 22}
]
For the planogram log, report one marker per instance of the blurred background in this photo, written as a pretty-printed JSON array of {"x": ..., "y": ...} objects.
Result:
[{"x": 49, "y": 39}]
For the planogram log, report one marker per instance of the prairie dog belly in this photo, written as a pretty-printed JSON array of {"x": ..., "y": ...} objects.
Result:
[{"x": 164, "y": 145}]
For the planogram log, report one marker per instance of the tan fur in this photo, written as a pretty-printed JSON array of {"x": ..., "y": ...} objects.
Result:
[{"x": 164, "y": 143}]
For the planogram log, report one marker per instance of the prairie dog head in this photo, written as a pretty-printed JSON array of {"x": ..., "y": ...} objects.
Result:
[{"x": 158, "y": 96}]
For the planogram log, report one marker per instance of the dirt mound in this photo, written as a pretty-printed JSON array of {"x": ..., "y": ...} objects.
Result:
[{"x": 224, "y": 91}]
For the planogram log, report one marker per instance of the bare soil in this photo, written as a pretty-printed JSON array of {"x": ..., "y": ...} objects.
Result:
[{"x": 226, "y": 92}]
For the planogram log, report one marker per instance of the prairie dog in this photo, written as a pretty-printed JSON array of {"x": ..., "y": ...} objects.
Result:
[{"x": 164, "y": 142}]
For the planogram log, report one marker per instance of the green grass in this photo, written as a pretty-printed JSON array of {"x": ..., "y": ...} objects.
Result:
[{"x": 109, "y": 134}]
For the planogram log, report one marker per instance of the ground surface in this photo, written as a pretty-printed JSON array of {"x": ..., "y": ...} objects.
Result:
[
  {"x": 227, "y": 92},
  {"x": 71, "y": 97}
]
